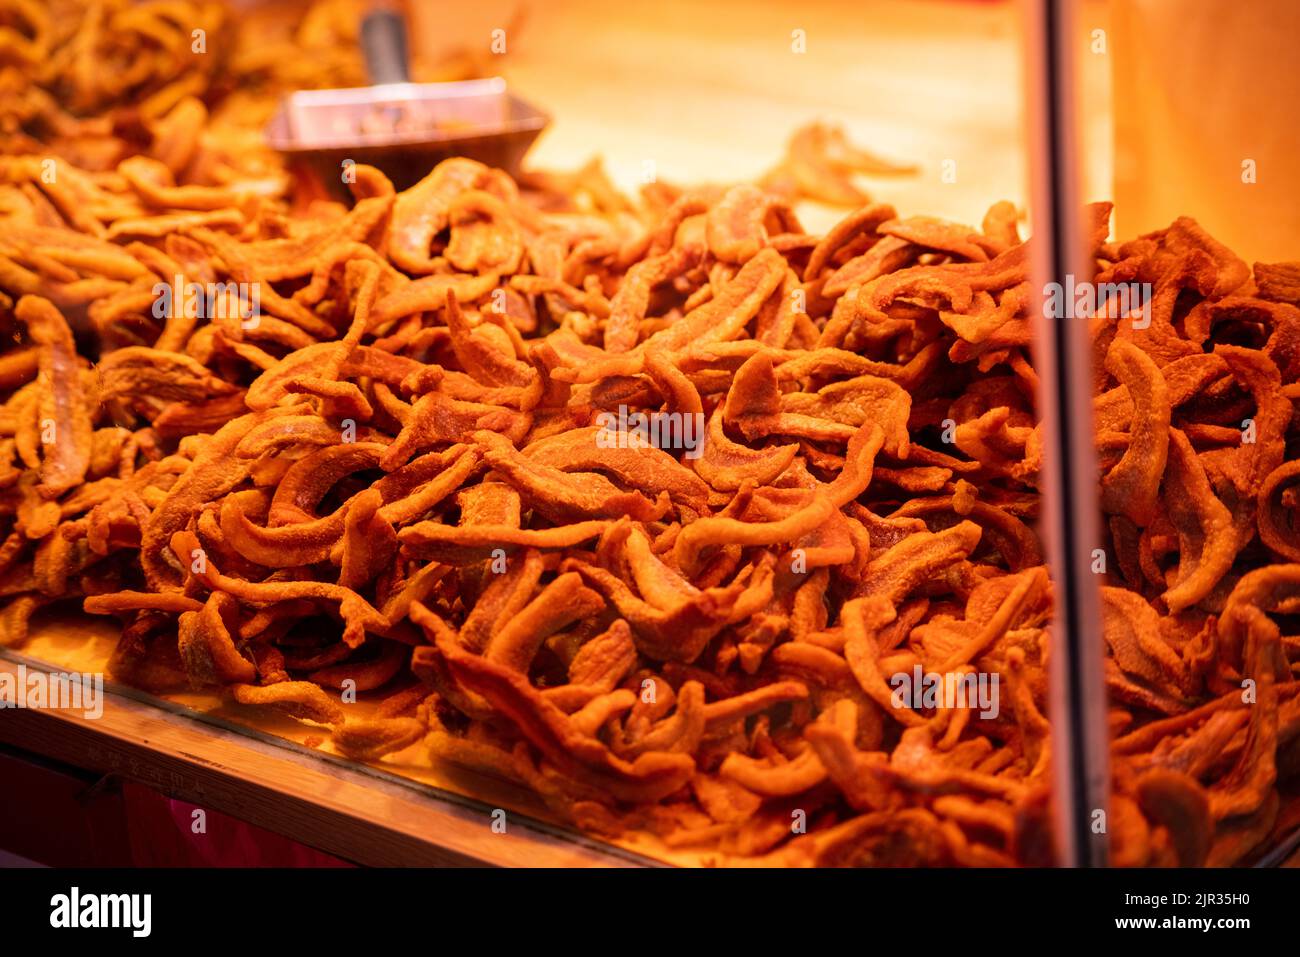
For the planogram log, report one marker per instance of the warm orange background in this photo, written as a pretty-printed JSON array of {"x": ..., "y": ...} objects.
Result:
[{"x": 1203, "y": 85}]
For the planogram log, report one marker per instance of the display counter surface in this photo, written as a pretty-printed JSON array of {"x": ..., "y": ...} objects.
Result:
[{"x": 282, "y": 775}]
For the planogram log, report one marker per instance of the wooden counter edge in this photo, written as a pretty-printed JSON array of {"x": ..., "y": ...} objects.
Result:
[{"x": 349, "y": 813}]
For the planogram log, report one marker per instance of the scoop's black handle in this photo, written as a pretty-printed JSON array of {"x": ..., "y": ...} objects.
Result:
[{"x": 383, "y": 41}]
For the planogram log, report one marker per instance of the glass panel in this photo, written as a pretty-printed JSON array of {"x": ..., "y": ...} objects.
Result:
[
  {"x": 687, "y": 475},
  {"x": 1195, "y": 435}
]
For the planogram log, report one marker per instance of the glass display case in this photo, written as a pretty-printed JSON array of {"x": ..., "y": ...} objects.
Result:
[{"x": 852, "y": 434}]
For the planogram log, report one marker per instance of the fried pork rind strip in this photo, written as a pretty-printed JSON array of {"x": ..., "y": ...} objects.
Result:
[
  {"x": 475, "y": 543},
  {"x": 215, "y": 471},
  {"x": 423, "y": 211},
  {"x": 564, "y": 496},
  {"x": 60, "y": 411},
  {"x": 1131, "y": 487},
  {"x": 671, "y": 619},
  {"x": 644, "y": 468},
  {"x": 570, "y": 749},
  {"x": 400, "y": 474},
  {"x": 368, "y": 739},
  {"x": 1277, "y": 516},
  {"x": 358, "y": 615},
  {"x": 1132, "y": 637},
  {"x": 915, "y": 559},
  {"x": 728, "y": 465},
  {"x": 206, "y": 647},
  {"x": 298, "y": 699},
  {"x": 723, "y": 530},
  {"x": 1203, "y": 524},
  {"x": 819, "y": 164}
]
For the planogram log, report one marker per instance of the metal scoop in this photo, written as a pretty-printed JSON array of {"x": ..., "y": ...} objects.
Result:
[{"x": 403, "y": 128}]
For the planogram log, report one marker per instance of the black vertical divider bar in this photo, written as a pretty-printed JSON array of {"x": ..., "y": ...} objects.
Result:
[{"x": 1080, "y": 744}]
